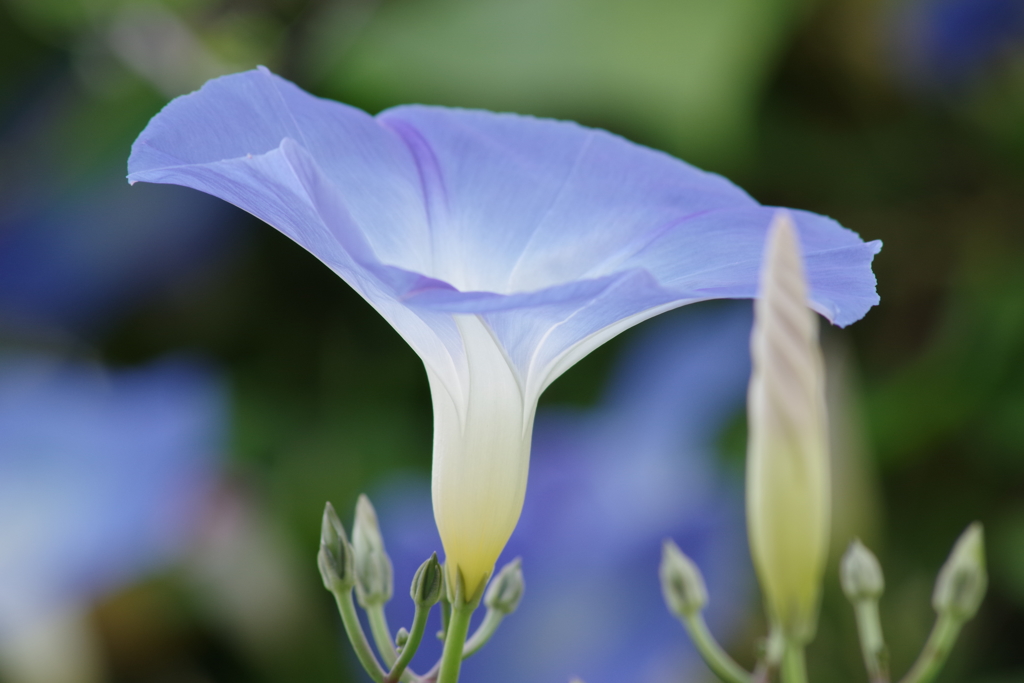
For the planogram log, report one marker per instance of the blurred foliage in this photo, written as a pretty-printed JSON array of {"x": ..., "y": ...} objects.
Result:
[
  {"x": 682, "y": 76},
  {"x": 800, "y": 103}
]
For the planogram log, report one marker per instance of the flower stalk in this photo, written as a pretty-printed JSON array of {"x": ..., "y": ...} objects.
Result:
[
  {"x": 364, "y": 568},
  {"x": 794, "y": 665},
  {"x": 863, "y": 583},
  {"x": 502, "y": 598},
  {"x": 455, "y": 634},
  {"x": 426, "y": 590},
  {"x": 959, "y": 590},
  {"x": 337, "y": 568},
  {"x": 686, "y": 596}
]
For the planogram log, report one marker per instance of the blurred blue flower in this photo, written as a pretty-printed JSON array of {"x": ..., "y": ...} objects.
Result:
[
  {"x": 503, "y": 248},
  {"x": 102, "y": 476},
  {"x": 78, "y": 249},
  {"x": 73, "y": 261},
  {"x": 948, "y": 43},
  {"x": 606, "y": 486}
]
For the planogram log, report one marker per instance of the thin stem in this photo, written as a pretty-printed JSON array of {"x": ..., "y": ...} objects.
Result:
[
  {"x": 483, "y": 632},
  {"x": 936, "y": 650},
  {"x": 454, "y": 641},
  {"x": 354, "y": 630},
  {"x": 717, "y": 659},
  {"x": 872, "y": 643},
  {"x": 446, "y": 615},
  {"x": 382, "y": 634},
  {"x": 794, "y": 668},
  {"x": 419, "y": 625},
  {"x": 431, "y": 676}
]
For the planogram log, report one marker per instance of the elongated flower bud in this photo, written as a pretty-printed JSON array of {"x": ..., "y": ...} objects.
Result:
[
  {"x": 374, "y": 584},
  {"x": 788, "y": 497},
  {"x": 505, "y": 592},
  {"x": 427, "y": 583},
  {"x": 681, "y": 582},
  {"x": 963, "y": 580},
  {"x": 860, "y": 574},
  {"x": 337, "y": 567}
]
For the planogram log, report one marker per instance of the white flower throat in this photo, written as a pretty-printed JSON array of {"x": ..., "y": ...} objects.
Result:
[{"x": 482, "y": 432}]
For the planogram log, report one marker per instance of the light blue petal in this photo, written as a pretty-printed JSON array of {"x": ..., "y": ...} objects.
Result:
[
  {"x": 558, "y": 235},
  {"x": 251, "y": 113},
  {"x": 286, "y": 188},
  {"x": 518, "y": 203},
  {"x": 718, "y": 255}
]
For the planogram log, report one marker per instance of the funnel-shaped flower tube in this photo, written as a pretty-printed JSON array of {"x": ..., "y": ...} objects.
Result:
[
  {"x": 788, "y": 497},
  {"x": 503, "y": 248}
]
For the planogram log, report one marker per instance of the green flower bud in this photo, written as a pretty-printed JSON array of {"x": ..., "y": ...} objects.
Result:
[
  {"x": 506, "y": 590},
  {"x": 962, "y": 580},
  {"x": 374, "y": 585},
  {"x": 401, "y": 638},
  {"x": 335, "y": 559},
  {"x": 788, "y": 480},
  {"x": 681, "y": 582},
  {"x": 428, "y": 583},
  {"x": 860, "y": 574}
]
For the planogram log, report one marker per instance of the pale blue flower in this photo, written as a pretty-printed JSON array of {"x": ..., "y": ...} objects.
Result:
[
  {"x": 77, "y": 261},
  {"x": 102, "y": 477},
  {"x": 951, "y": 43},
  {"x": 503, "y": 248}
]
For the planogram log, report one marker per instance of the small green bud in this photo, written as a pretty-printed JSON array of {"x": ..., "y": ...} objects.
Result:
[
  {"x": 428, "y": 583},
  {"x": 506, "y": 590},
  {"x": 681, "y": 582},
  {"x": 860, "y": 574},
  {"x": 374, "y": 584},
  {"x": 962, "y": 581},
  {"x": 335, "y": 558},
  {"x": 401, "y": 638}
]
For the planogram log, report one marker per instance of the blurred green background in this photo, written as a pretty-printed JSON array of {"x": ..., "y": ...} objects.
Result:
[{"x": 856, "y": 109}]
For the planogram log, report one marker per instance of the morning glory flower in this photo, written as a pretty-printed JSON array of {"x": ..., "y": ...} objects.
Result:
[
  {"x": 593, "y": 522},
  {"x": 503, "y": 248},
  {"x": 102, "y": 478},
  {"x": 951, "y": 43},
  {"x": 73, "y": 264}
]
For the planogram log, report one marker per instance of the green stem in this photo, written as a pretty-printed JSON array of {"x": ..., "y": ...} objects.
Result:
[
  {"x": 454, "y": 641},
  {"x": 936, "y": 650},
  {"x": 446, "y": 615},
  {"x": 717, "y": 659},
  {"x": 483, "y": 632},
  {"x": 419, "y": 625},
  {"x": 794, "y": 668},
  {"x": 354, "y": 630},
  {"x": 382, "y": 634},
  {"x": 872, "y": 643}
]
